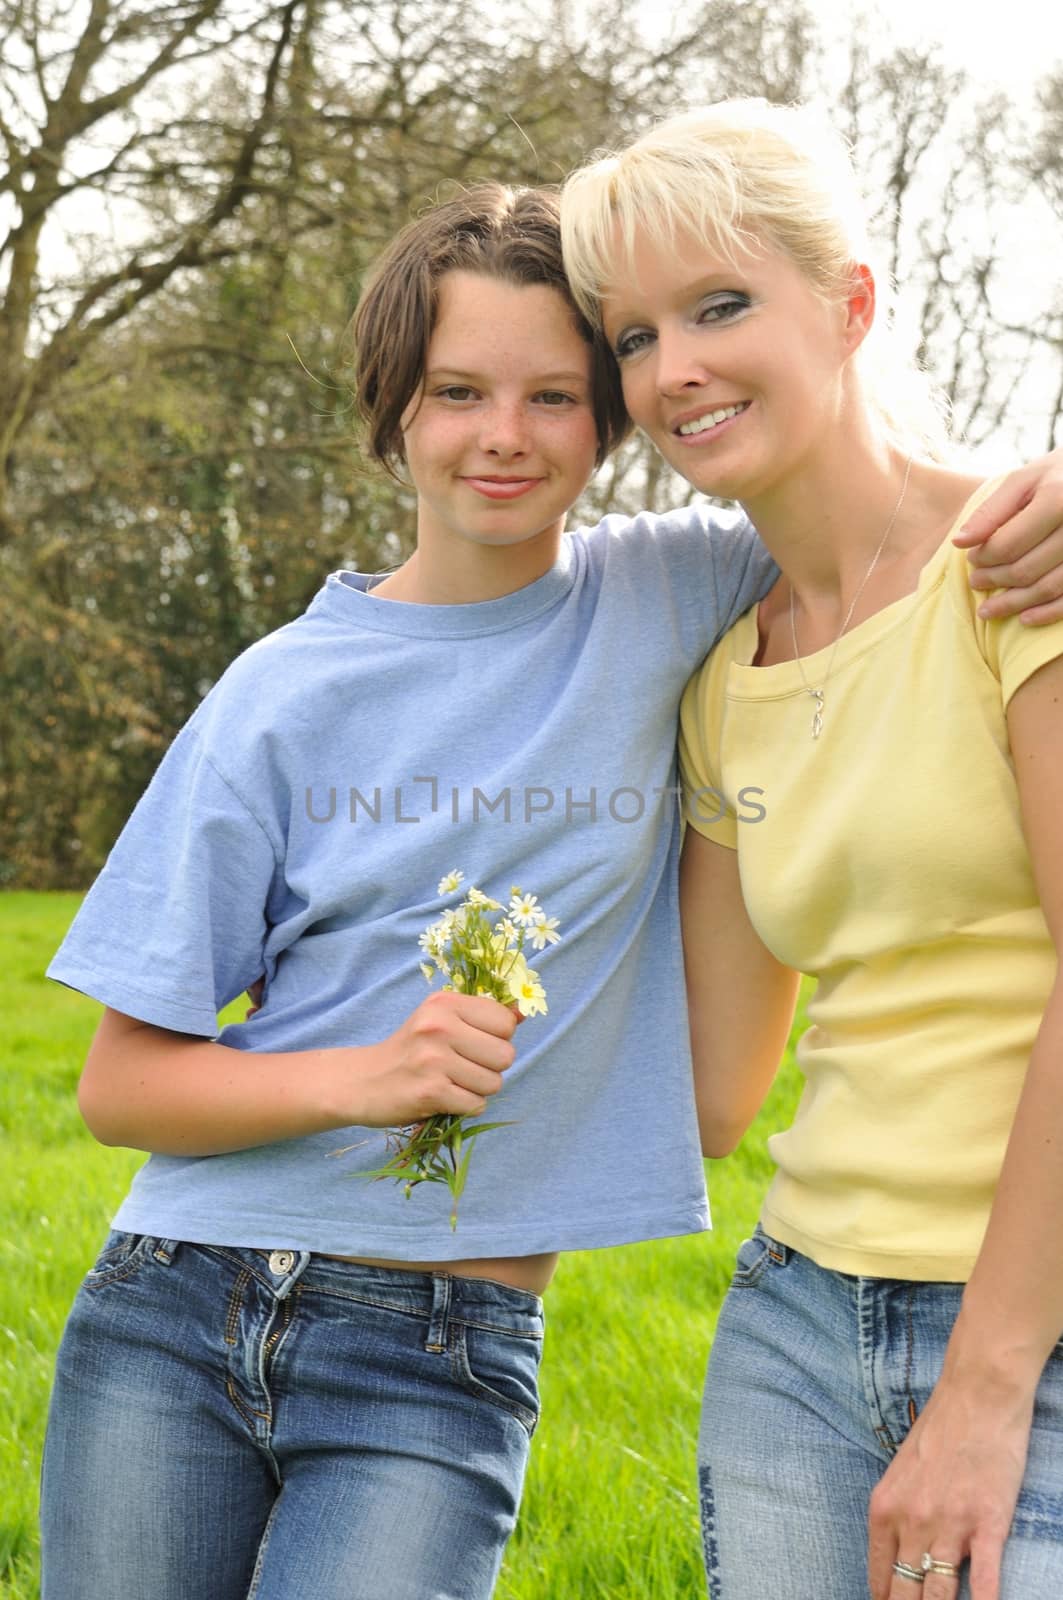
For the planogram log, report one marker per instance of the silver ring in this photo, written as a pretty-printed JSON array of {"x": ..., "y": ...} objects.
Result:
[
  {"x": 913, "y": 1574},
  {"x": 948, "y": 1569}
]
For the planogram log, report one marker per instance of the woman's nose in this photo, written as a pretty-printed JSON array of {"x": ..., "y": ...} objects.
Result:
[{"x": 680, "y": 364}]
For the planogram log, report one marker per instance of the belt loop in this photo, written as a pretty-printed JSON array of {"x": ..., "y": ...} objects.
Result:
[
  {"x": 439, "y": 1321},
  {"x": 165, "y": 1250}
]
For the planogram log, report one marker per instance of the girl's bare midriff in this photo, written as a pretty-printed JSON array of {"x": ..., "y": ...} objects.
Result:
[{"x": 532, "y": 1273}]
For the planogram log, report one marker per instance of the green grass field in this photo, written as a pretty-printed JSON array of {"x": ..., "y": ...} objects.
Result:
[{"x": 611, "y": 1503}]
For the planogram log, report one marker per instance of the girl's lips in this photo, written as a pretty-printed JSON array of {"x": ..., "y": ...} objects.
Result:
[{"x": 501, "y": 488}]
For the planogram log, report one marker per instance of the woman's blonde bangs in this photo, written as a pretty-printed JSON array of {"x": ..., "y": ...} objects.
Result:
[
  {"x": 622, "y": 202},
  {"x": 739, "y": 176}
]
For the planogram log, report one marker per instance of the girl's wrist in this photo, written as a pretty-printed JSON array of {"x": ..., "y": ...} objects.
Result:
[{"x": 341, "y": 1086}]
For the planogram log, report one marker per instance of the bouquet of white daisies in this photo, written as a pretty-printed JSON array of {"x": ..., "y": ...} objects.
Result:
[{"x": 477, "y": 947}]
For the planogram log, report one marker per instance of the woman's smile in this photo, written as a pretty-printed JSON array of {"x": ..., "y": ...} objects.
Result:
[{"x": 708, "y": 424}]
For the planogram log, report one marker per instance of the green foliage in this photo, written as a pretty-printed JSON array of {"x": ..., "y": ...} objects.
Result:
[{"x": 610, "y": 1511}]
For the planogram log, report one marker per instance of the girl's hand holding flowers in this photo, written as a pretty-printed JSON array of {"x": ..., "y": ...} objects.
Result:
[
  {"x": 456, "y": 1045},
  {"x": 447, "y": 1057}
]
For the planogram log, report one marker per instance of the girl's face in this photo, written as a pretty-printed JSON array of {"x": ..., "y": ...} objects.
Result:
[
  {"x": 735, "y": 374},
  {"x": 501, "y": 439}
]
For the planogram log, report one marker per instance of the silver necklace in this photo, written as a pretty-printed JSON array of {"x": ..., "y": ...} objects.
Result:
[{"x": 817, "y": 692}]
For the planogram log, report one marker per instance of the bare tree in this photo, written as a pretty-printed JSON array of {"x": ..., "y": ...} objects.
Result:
[
  {"x": 90, "y": 113},
  {"x": 949, "y": 175}
]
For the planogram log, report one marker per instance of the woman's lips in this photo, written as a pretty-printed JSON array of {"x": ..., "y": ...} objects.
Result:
[{"x": 710, "y": 423}]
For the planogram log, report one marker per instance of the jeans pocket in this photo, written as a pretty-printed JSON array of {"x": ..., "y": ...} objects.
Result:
[
  {"x": 752, "y": 1259},
  {"x": 502, "y": 1368},
  {"x": 120, "y": 1258}
]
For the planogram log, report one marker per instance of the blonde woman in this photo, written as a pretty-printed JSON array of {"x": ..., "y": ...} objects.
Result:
[{"x": 889, "y": 1356}]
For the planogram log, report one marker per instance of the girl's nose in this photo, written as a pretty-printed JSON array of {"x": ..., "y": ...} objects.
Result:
[{"x": 505, "y": 431}]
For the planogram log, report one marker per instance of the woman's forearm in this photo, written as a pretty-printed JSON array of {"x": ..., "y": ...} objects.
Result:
[
  {"x": 1012, "y": 1312},
  {"x": 1013, "y": 1307}
]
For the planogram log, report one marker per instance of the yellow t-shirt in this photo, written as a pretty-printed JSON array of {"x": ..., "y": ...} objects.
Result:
[{"x": 888, "y": 860}]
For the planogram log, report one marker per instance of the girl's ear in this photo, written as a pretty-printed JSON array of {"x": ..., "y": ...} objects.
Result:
[{"x": 859, "y": 305}]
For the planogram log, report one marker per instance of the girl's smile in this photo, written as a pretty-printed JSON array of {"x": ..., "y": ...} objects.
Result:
[{"x": 502, "y": 488}]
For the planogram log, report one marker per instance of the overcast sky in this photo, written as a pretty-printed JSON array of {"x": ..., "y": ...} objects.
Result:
[{"x": 1012, "y": 42}]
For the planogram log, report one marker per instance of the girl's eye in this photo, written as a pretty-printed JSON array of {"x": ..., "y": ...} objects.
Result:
[
  {"x": 554, "y": 397},
  {"x": 630, "y": 342},
  {"x": 723, "y": 307},
  {"x": 456, "y": 391}
]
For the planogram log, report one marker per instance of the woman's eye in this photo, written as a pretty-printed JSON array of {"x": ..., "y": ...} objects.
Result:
[
  {"x": 631, "y": 341},
  {"x": 456, "y": 391},
  {"x": 723, "y": 307},
  {"x": 554, "y": 397}
]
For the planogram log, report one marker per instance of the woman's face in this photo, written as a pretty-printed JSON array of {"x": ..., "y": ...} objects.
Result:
[
  {"x": 735, "y": 374},
  {"x": 502, "y": 438}
]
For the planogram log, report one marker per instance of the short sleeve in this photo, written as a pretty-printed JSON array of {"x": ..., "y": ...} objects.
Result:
[
  {"x": 691, "y": 572},
  {"x": 1014, "y": 652},
  {"x": 727, "y": 570},
  {"x": 705, "y": 807},
  {"x": 744, "y": 571},
  {"x": 175, "y": 925}
]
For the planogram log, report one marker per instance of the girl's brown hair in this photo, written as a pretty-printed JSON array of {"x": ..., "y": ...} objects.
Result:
[{"x": 510, "y": 234}]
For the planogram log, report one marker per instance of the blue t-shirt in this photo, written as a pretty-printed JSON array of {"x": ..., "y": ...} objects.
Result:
[{"x": 299, "y": 826}]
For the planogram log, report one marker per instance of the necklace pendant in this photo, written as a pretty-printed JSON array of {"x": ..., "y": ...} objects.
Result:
[{"x": 817, "y": 715}]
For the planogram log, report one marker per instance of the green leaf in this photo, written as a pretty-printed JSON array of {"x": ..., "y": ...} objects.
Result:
[{"x": 485, "y": 1127}]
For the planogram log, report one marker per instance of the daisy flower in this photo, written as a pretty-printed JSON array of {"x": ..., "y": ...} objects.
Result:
[
  {"x": 543, "y": 932},
  {"x": 524, "y": 909},
  {"x": 529, "y": 995}
]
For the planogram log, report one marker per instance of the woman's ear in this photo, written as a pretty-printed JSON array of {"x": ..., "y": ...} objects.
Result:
[{"x": 859, "y": 305}]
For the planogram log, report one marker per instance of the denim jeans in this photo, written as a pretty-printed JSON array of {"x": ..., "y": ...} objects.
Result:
[
  {"x": 813, "y": 1380},
  {"x": 230, "y": 1423}
]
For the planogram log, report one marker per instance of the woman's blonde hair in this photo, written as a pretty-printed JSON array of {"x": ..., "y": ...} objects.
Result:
[{"x": 744, "y": 175}]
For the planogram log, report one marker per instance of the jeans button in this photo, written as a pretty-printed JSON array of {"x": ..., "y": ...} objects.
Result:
[{"x": 281, "y": 1261}]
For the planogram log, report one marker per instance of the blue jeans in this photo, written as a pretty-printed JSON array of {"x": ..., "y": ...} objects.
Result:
[
  {"x": 231, "y": 1424},
  {"x": 813, "y": 1380}
]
